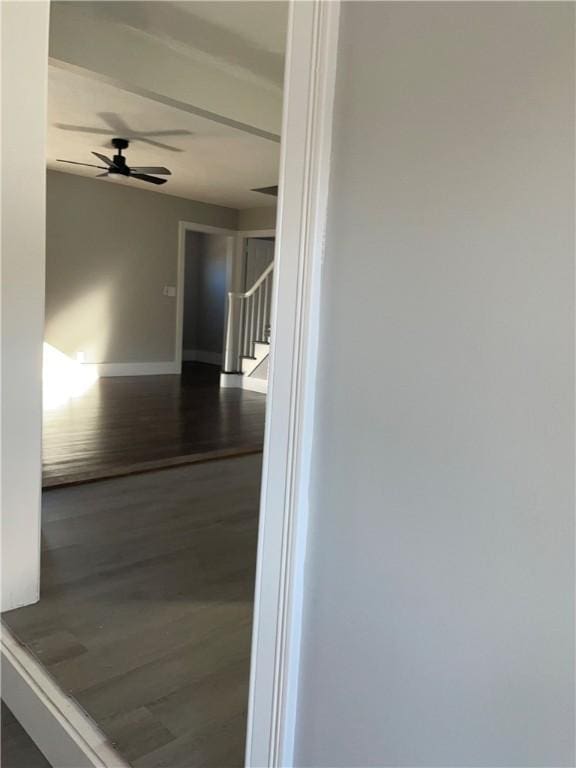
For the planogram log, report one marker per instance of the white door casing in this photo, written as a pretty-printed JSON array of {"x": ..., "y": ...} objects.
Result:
[{"x": 304, "y": 176}]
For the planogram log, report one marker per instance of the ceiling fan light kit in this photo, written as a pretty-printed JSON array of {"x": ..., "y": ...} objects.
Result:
[{"x": 118, "y": 166}]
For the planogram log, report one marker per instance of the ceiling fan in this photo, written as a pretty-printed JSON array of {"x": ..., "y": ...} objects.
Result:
[{"x": 117, "y": 165}]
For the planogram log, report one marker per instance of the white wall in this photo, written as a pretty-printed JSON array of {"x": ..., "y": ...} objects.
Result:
[
  {"x": 440, "y": 570},
  {"x": 24, "y": 82},
  {"x": 110, "y": 252}
]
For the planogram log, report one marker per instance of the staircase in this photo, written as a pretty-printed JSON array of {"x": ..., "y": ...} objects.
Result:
[{"x": 247, "y": 343}]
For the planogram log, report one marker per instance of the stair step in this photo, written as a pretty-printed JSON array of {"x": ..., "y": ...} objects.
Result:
[{"x": 251, "y": 362}]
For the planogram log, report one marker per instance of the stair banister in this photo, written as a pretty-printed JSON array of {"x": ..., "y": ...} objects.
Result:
[
  {"x": 268, "y": 271},
  {"x": 247, "y": 320}
]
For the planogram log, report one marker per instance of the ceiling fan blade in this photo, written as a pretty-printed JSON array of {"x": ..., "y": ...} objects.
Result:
[
  {"x": 104, "y": 159},
  {"x": 145, "y": 177},
  {"x": 158, "y": 170},
  {"x": 86, "y": 165}
]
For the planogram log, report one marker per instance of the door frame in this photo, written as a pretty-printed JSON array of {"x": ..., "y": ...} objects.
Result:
[
  {"x": 234, "y": 265},
  {"x": 309, "y": 85},
  {"x": 304, "y": 176}
]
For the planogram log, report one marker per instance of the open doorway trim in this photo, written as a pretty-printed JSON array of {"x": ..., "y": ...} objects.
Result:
[
  {"x": 304, "y": 175},
  {"x": 58, "y": 726},
  {"x": 234, "y": 261},
  {"x": 183, "y": 227},
  {"x": 306, "y": 134}
]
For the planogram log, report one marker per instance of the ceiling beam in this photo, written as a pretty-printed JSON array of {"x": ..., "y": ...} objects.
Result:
[
  {"x": 166, "y": 100},
  {"x": 223, "y": 89}
]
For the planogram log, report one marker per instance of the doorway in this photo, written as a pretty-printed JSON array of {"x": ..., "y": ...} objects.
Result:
[
  {"x": 152, "y": 470},
  {"x": 313, "y": 32},
  {"x": 204, "y": 297}
]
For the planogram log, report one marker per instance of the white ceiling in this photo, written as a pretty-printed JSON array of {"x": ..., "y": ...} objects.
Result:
[
  {"x": 213, "y": 158},
  {"x": 260, "y": 22},
  {"x": 246, "y": 34}
]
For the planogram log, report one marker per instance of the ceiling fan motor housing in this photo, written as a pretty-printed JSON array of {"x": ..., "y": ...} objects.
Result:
[
  {"x": 120, "y": 144},
  {"x": 119, "y": 165},
  {"x": 119, "y": 159}
]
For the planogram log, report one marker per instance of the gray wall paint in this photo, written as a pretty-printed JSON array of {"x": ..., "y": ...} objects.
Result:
[
  {"x": 205, "y": 292},
  {"x": 259, "y": 256},
  {"x": 439, "y": 613},
  {"x": 110, "y": 251},
  {"x": 257, "y": 218}
]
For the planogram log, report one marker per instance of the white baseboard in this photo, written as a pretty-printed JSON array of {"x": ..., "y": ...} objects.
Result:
[
  {"x": 243, "y": 382},
  {"x": 60, "y": 729},
  {"x": 231, "y": 380},
  {"x": 134, "y": 369},
  {"x": 202, "y": 356}
]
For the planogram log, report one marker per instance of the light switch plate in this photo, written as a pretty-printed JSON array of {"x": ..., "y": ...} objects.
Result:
[{"x": 169, "y": 290}]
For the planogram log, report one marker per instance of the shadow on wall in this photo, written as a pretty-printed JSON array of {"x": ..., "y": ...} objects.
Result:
[
  {"x": 63, "y": 374},
  {"x": 80, "y": 328}
]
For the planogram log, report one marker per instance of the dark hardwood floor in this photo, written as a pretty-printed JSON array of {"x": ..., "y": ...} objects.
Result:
[
  {"x": 132, "y": 424},
  {"x": 18, "y": 749},
  {"x": 146, "y": 608}
]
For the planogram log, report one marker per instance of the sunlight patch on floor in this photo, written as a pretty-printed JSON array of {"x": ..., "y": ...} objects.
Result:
[{"x": 64, "y": 378}]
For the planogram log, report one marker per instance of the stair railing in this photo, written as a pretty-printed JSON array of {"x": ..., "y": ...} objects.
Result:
[{"x": 248, "y": 320}]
